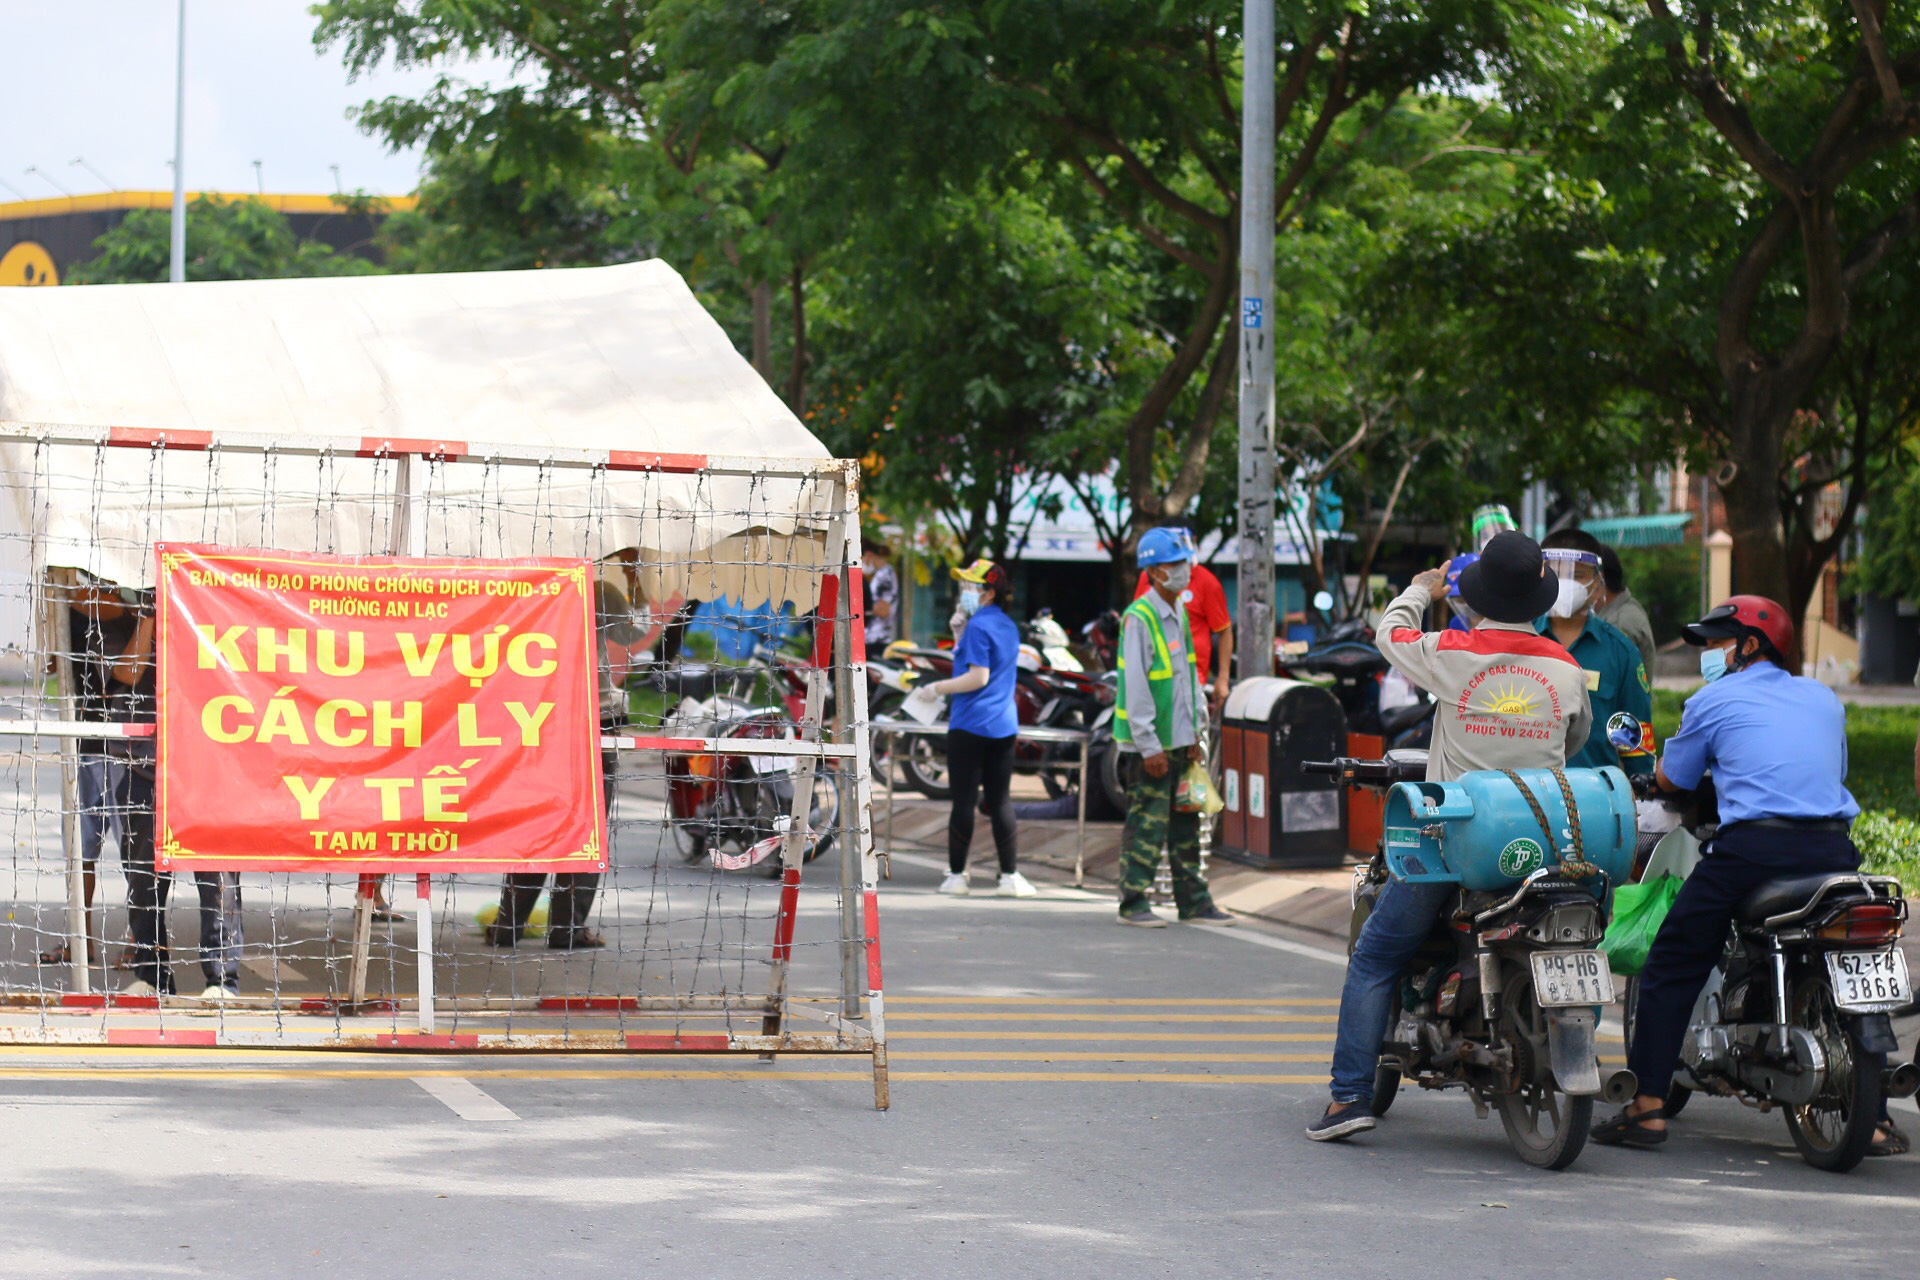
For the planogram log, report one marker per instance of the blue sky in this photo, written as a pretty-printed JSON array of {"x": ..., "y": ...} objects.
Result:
[{"x": 95, "y": 79}]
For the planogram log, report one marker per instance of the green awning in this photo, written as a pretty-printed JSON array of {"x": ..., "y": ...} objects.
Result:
[{"x": 1640, "y": 531}]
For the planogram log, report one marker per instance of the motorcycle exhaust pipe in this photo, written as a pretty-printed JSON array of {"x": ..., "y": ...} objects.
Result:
[
  {"x": 1903, "y": 1081},
  {"x": 1620, "y": 1087}
]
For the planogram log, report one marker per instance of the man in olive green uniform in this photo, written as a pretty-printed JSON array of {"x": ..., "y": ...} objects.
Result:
[{"x": 1156, "y": 723}]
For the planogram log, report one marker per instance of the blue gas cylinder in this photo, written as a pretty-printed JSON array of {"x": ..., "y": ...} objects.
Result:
[{"x": 1479, "y": 832}]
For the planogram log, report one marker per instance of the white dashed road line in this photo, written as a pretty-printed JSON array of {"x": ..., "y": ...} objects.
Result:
[{"x": 465, "y": 1098}]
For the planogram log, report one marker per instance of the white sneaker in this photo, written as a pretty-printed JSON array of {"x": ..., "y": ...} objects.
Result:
[
  {"x": 139, "y": 987},
  {"x": 1015, "y": 885},
  {"x": 218, "y": 992},
  {"x": 956, "y": 884}
]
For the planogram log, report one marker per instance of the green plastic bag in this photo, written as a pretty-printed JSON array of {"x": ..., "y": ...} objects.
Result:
[{"x": 1638, "y": 912}]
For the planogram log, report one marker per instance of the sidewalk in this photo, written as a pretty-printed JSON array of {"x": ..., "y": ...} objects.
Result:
[{"x": 1314, "y": 899}]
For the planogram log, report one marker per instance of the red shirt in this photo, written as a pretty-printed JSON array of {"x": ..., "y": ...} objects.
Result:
[{"x": 1206, "y": 602}]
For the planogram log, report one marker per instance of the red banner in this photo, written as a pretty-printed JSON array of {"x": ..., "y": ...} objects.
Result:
[{"x": 326, "y": 713}]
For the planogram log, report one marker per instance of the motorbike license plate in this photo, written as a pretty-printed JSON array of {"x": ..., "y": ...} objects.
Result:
[
  {"x": 1571, "y": 977},
  {"x": 1869, "y": 980}
]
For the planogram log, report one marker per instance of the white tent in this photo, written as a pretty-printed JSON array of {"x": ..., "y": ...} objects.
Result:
[{"x": 615, "y": 358}]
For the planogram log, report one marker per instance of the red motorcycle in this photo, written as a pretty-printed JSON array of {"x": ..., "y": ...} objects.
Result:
[{"x": 735, "y": 810}]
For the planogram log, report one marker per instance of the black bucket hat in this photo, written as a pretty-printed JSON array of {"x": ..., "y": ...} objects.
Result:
[{"x": 1509, "y": 582}]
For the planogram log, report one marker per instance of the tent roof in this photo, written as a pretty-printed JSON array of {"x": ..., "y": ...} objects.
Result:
[{"x": 618, "y": 358}]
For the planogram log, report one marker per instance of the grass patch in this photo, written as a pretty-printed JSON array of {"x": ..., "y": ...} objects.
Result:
[{"x": 1879, "y": 773}]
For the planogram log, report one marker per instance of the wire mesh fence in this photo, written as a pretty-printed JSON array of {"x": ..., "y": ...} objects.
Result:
[{"x": 736, "y": 909}]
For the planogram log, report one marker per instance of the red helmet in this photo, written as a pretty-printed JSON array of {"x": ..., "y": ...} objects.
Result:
[{"x": 1737, "y": 617}]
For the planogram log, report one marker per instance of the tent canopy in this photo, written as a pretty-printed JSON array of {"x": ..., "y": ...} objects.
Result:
[{"x": 616, "y": 358}]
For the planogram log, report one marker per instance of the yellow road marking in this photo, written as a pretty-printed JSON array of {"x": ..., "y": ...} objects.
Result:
[
  {"x": 1183, "y": 1037},
  {"x": 1146, "y": 1001},
  {"x": 403, "y": 1074},
  {"x": 1111, "y": 1017},
  {"x": 924, "y": 1055}
]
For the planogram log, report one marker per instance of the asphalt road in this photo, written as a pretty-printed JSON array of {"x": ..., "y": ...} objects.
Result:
[{"x": 1070, "y": 1099}]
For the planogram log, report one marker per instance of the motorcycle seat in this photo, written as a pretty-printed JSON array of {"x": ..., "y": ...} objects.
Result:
[
  {"x": 1409, "y": 764},
  {"x": 1788, "y": 894}
]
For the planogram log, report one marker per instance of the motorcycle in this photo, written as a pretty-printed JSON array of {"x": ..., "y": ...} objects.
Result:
[
  {"x": 1798, "y": 1013},
  {"x": 1501, "y": 999},
  {"x": 735, "y": 811},
  {"x": 1357, "y": 667},
  {"x": 1043, "y": 698}
]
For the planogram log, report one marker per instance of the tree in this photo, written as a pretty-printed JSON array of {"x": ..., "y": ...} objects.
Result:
[
  {"x": 1726, "y": 189},
  {"x": 226, "y": 240}
]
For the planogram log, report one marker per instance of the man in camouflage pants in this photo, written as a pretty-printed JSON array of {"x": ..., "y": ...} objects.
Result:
[{"x": 1156, "y": 723}]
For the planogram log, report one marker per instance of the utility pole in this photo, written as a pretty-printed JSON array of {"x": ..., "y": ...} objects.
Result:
[
  {"x": 177, "y": 271},
  {"x": 1253, "y": 631}
]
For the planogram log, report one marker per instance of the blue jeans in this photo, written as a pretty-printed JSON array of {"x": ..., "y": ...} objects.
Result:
[{"x": 1402, "y": 918}]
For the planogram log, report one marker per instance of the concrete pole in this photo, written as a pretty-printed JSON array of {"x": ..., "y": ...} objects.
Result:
[
  {"x": 177, "y": 272},
  {"x": 1253, "y": 631}
]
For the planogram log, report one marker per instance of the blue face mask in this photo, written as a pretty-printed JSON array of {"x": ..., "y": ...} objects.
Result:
[
  {"x": 969, "y": 600},
  {"x": 1713, "y": 664}
]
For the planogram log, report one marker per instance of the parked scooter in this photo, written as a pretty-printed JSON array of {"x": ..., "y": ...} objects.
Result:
[
  {"x": 1349, "y": 655},
  {"x": 1798, "y": 1014},
  {"x": 1501, "y": 999},
  {"x": 736, "y": 810}
]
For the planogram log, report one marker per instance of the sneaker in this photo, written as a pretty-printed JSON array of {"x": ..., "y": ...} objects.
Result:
[
  {"x": 1142, "y": 919},
  {"x": 140, "y": 987},
  {"x": 217, "y": 992},
  {"x": 1015, "y": 885},
  {"x": 1210, "y": 914},
  {"x": 956, "y": 884},
  {"x": 1333, "y": 1126}
]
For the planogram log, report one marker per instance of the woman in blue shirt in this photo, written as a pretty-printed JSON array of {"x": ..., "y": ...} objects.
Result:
[{"x": 981, "y": 724}]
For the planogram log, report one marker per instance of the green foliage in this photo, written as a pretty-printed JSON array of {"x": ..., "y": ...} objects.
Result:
[
  {"x": 1666, "y": 582},
  {"x": 1890, "y": 565},
  {"x": 226, "y": 240}
]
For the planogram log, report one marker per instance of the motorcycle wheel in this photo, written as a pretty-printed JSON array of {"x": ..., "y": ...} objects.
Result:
[
  {"x": 1834, "y": 1131},
  {"x": 1107, "y": 784},
  {"x": 1678, "y": 1094},
  {"x": 885, "y": 706},
  {"x": 1545, "y": 1127},
  {"x": 924, "y": 765},
  {"x": 690, "y": 839},
  {"x": 1386, "y": 1087}
]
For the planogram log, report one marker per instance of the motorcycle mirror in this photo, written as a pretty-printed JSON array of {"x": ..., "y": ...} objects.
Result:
[
  {"x": 1624, "y": 730},
  {"x": 1323, "y": 600}
]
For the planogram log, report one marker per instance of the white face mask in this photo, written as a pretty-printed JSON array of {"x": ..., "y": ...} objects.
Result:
[
  {"x": 1177, "y": 577},
  {"x": 1573, "y": 597}
]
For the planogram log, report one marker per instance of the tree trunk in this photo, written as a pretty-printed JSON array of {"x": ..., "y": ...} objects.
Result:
[
  {"x": 762, "y": 294},
  {"x": 797, "y": 377}
]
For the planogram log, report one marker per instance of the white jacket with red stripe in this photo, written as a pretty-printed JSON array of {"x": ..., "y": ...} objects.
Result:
[{"x": 1509, "y": 698}]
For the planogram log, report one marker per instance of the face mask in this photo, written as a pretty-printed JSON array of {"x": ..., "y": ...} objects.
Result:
[
  {"x": 1572, "y": 599},
  {"x": 1178, "y": 577},
  {"x": 969, "y": 600},
  {"x": 1713, "y": 664}
]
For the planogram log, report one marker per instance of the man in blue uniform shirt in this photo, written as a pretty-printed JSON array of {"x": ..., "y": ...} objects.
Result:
[
  {"x": 1616, "y": 677},
  {"x": 1777, "y": 746}
]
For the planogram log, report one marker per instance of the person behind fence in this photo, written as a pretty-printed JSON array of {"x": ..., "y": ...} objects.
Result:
[
  {"x": 1156, "y": 724},
  {"x": 883, "y": 595},
  {"x": 573, "y": 892},
  {"x": 1509, "y": 698},
  {"x": 982, "y": 726},
  {"x": 99, "y": 625},
  {"x": 221, "y": 934}
]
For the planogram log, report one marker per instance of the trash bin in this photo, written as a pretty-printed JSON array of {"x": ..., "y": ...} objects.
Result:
[{"x": 1276, "y": 815}]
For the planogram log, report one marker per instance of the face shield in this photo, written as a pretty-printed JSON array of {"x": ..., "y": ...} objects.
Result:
[
  {"x": 1579, "y": 574},
  {"x": 1489, "y": 520}
]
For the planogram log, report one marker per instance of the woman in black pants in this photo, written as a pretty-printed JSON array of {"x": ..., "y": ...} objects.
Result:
[{"x": 981, "y": 725}]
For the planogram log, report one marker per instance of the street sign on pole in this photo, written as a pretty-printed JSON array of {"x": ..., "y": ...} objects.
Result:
[
  {"x": 177, "y": 269},
  {"x": 1253, "y": 642}
]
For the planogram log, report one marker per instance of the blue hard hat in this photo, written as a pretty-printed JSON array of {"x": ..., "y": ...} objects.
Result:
[
  {"x": 1163, "y": 546},
  {"x": 1457, "y": 566}
]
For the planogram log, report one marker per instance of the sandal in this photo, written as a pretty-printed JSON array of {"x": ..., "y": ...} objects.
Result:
[
  {"x": 1896, "y": 1143},
  {"x": 63, "y": 954},
  {"x": 1628, "y": 1129},
  {"x": 577, "y": 940}
]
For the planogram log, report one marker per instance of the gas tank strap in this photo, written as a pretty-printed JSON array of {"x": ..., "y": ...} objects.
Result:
[{"x": 1577, "y": 866}]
